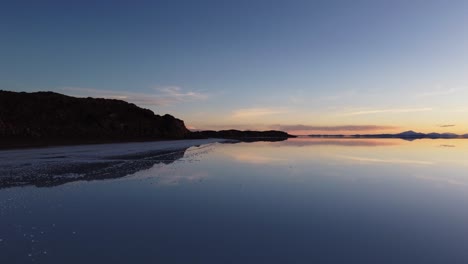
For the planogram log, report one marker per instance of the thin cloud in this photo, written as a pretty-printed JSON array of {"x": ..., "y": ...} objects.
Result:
[
  {"x": 333, "y": 128},
  {"x": 443, "y": 180},
  {"x": 258, "y": 112},
  {"x": 447, "y": 125},
  {"x": 177, "y": 92},
  {"x": 162, "y": 96},
  {"x": 296, "y": 99},
  {"x": 192, "y": 128},
  {"x": 458, "y": 110},
  {"x": 439, "y": 92},
  {"x": 393, "y": 110},
  {"x": 340, "y": 95}
]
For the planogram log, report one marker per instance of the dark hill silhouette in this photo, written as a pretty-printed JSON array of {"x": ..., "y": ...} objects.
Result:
[
  {"x": 48, "y": 117},
  {"x": 271, "y": 135}
]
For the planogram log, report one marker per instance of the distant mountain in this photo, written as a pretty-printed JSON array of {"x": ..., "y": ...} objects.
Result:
[
  {"x": 50, "y": 118},
  {"x": 408, "y": 135},
  {"x": 443, "y": 135}
]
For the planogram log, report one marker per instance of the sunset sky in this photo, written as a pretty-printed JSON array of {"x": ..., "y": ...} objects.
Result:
[{"x": 301, "y": 66}]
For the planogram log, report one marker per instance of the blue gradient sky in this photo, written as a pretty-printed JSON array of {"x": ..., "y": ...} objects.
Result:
[{"x": 329, "y": 66}]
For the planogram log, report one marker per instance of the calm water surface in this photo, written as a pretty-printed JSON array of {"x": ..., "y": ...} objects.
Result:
[{"x": 296, "y": 201}]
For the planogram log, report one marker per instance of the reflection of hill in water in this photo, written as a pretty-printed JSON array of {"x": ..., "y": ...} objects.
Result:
[{"x": 57, "y": 173}]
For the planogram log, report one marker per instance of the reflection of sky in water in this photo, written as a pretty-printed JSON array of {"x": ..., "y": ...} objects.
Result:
[{"x": 298, "y": 201}]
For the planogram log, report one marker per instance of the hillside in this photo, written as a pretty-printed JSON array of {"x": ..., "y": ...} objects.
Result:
[{"x": 47, "y": 117}]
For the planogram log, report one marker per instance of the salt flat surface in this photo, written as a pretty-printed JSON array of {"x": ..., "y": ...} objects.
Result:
[
  {"x": 59, "y": 165},
  {"x": 90, "y": 153},
  {"x": 301, "y": 200}
]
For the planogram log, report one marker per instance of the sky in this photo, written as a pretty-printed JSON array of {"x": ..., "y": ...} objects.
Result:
[{"x": 307, "y": 67}]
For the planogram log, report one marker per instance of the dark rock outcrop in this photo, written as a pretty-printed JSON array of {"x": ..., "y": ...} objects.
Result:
[
  {"x": 48, "y": 117},
  {"x": 271, "y": 135}
]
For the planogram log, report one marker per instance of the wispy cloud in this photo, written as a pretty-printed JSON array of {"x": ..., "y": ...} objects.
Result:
[
  {"x": 340, "y": 95},
  {"x": 441, "y": 179},
  {"x": 258, "y": 112},
  {"x": 439, "y": 92},
  {"x": 391, "y": 110},
  {"x": 333, "y": 128},
  {"x": 296, "y": 99},
  {"x": 161, "y": 96},
  {"x": 177, "y": 92},
  {"x": 447, "y": 125},
  {"x": 457, "y": 110}
]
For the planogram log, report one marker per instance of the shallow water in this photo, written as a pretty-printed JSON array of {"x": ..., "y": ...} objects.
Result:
[{"x": 297, "y": 201}]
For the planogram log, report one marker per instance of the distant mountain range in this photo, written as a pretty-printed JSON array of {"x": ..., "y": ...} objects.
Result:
[{"x": 409, "y": 135}]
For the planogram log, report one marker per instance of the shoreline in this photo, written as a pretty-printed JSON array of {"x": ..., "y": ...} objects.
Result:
[
  {"x": 6, "y": 144},
  {"x": 28, "y": 144},
  {"x": 44, "y": 167},
  {"x": 109, "y": 149}
]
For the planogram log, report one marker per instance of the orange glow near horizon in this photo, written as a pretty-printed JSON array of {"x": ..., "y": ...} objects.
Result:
[{"x": 395, "y": 130}]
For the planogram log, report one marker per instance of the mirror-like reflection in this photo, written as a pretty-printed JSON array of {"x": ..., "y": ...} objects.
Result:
[
  {"x": 304, "y": 200},
  {"x": 47, "y": 167},
  {"x": 48, "y": 175}
]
